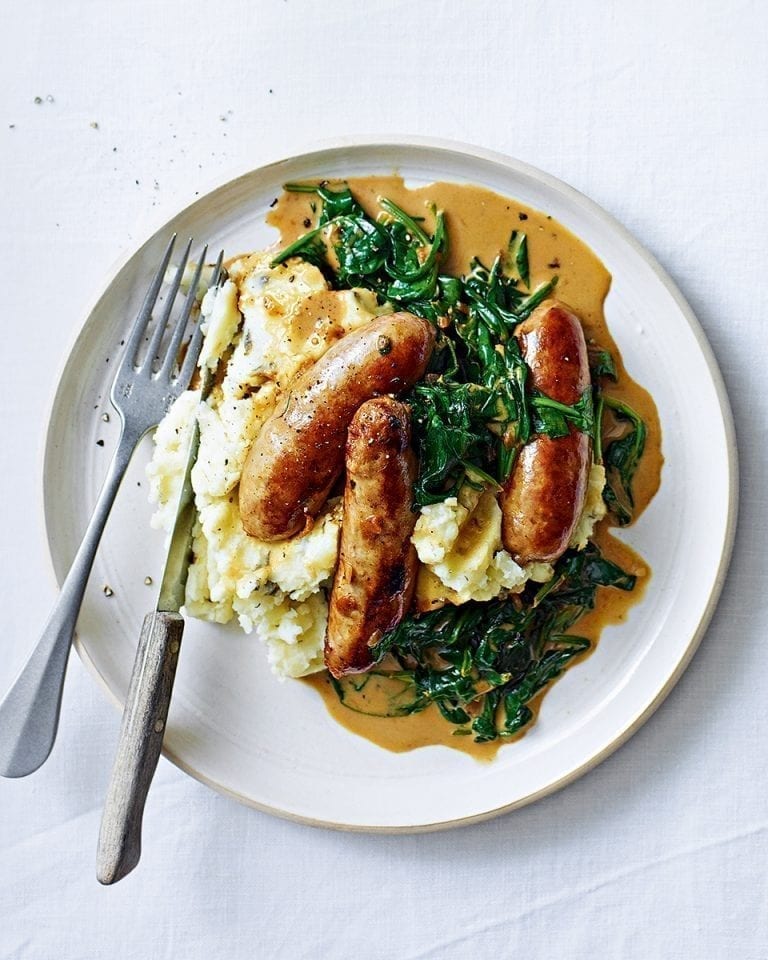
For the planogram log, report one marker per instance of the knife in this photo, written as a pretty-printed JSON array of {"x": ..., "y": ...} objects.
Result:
[{"x": 149, "y": 692}]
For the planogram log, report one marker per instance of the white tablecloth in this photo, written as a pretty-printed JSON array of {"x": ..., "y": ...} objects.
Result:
[{"x": 657, "y": 110}]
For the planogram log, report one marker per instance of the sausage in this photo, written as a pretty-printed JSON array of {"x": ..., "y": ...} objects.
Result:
[
  {"x": 376, "y": 575},
  {"x": 543, "y": 497},
  {"x": 299, "y": 453}
]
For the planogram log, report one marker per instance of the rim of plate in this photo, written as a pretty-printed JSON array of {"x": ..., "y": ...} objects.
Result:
[{"x": 320, "y": 149}]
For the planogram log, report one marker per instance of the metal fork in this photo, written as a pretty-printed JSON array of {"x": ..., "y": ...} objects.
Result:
[{"x": 141, "y": 395}]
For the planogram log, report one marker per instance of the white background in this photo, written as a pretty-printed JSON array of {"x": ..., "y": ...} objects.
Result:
[{"x": 656, "y": 110}]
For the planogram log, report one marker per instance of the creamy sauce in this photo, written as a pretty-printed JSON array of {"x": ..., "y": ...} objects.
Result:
[{"x": 479, "y": 224}]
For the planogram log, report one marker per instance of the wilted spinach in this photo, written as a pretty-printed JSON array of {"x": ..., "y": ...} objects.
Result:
[
  {"x": 477, "y": 314},
  {"x": 482, "y": 663},
  {"x": 621, "y": 458},
  {"x": 620, "y": 455}
]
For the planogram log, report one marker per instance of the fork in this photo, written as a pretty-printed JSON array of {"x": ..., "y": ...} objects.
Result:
[{"x": 142, "y": 392}]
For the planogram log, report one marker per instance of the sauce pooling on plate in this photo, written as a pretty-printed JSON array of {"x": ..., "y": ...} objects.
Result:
[{"x": 479, "y": 223}]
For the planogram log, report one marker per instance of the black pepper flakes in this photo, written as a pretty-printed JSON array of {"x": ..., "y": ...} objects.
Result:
[
  {"x": 99, "y": 443},
  {"x": 523, "y": 216},
  {"x": 108, "y": 591}
]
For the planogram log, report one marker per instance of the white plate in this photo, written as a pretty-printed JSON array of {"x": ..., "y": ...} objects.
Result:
[{"x": 272, "y": 744}]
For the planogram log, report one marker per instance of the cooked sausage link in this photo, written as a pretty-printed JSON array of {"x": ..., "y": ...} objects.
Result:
[
  {"x": 376, "y": 575},
  {"x": 299, "y": 452},
  {"x": 544, "y": 495}
]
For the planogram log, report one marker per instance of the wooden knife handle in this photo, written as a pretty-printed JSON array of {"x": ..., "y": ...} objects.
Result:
[{"x": 138, "y": 749}]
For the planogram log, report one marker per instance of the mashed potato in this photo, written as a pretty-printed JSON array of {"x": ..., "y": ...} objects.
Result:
[
  {"x": 459, "y": 544},
  {"x": 269, "y": 324},
  {"x": 594, "y": 507}
]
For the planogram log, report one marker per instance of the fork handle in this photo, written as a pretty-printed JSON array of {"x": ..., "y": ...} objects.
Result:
[
  {"x": 29, "y": 713},
  {"x": 139, "y": 746}
]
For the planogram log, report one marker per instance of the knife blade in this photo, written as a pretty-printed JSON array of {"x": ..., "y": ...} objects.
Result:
[
  {"x": 177, "y": 562},
  {"x": 174, "y": 580},
  {"x": 149, "y": 693}
]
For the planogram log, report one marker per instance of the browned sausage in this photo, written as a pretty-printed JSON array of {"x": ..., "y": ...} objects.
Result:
[
  {"x": 299, "y": 452},
  {"x": 376, "y": 574},
  {"x": 543, "y": 498}
]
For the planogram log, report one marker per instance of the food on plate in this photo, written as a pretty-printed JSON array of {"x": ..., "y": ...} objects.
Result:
[
  {"x": 299, "y": 452},
  {"x": 375, "y": 577},
  {"x": 420, "y": 434},
  {"x": 543, "y": 496}
]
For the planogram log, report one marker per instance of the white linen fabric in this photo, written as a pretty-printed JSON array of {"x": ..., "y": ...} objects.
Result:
[{"x": 659, "y": 112}]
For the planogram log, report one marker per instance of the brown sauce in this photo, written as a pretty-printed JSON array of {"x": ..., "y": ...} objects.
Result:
[{"x": 479, "y": 224}]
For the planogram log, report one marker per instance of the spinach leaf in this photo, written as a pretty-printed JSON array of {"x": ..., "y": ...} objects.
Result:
[
  {"x": 360, "y": 247},
  {"x": 493, "y": 356},
  {"x": 392, "y": 694},
  {"x": 601, "y": 363},
  {"x": 336, "y": 203},
  {"x": 553, "y": 418},
  {"x": 450, "y": 436},
  {"x": 621, "y": 458},
  {"x": 547, "y": 668},
  {"x": 517, "y": 257},
  {"x": 622, "y": 455},
  {"x": 309, "y": 246},
  {"x": 539, "y": 295}
]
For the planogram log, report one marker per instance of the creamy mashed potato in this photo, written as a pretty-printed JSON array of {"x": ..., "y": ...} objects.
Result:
[
  {"x": 269, "y": 324},
  {"x": 594, "y": 508},
  {"x": 459, "y": 544}
]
